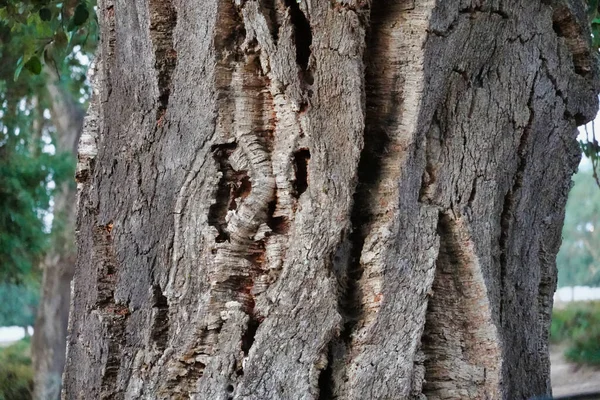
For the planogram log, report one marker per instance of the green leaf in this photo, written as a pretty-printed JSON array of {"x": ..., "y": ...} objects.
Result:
[
  {"x": 45, "y": 14},
  {"x": 81, "y": 15},
  {"x": 20, "y": 64},
  {"x": 34, "y": 65},
  {"x": 71, "y": 26}
]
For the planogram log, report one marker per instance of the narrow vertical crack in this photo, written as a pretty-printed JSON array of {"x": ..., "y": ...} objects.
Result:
[
  {"x": 300, "y": 184},
  {"x": 160, "y": 325},
  {"x": 302, "y": 38},
  {"x": 114, "y": 313},
  {"x": 249, "y": 335},
  {"x": 510, "y": 199},
  {"x": 326, "y": 386},
  {"x": 359, "y": 298},
  {"x": 279, "y": 225},
  {"x": 163, "y": 18}
]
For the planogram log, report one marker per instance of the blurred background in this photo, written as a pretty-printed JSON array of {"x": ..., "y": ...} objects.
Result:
[
  {"x": 46, "y": 47},
  {"x": 575, "y": 330},
  {"x": 45, "y": 52}
]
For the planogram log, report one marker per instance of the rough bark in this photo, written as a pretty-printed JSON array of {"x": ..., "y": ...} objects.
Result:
[
  {"x": 49, "y": 340},
  {"x": 325, "y": 199}
]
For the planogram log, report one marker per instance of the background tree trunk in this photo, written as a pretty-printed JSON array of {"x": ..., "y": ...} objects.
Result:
[
  {"x": 321, "y": 199},
  {"x": 49, "y": 340}
]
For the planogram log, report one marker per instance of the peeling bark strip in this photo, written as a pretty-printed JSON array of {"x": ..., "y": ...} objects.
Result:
[{"x": 351, "y": 199}]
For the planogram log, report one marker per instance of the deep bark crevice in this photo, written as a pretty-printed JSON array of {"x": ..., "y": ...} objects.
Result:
[
  {"x": 433, "y": 144},
  {"x": 459, "y": 340},
  {"x": 232, "y": 185},
  {"x": 383, "y": 106},
  {"x": 160, "y": 325},
  {"x": 566, "y": 26},
  {"x": 326, "y": 379},
  {"x": 511, "y": 198},
  {"x": 301, "y": 158},
  {"x": 279, "y": 225},
  {"x": 163, "y": 18},
  {"x": 114, "y": 314},
  {"x": 248, "y": 337},
  {"x": 302, "y": 38}
]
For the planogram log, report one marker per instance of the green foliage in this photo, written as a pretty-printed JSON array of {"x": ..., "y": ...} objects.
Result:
[
  {"x": 590, "y": 146},
  {"x": 19, "y": 303},
  {"x": 35, "y": 36},
  {"x": 578, "y": 325},
  {"x": 16, "y": 372},
  {"x": 25, "y": 194},
  {"x": 26, "y": 168},
  {"x": 578, "y": 260},
  {"x": 48, "y": 30},
  {"x": 585, "y": 347}
]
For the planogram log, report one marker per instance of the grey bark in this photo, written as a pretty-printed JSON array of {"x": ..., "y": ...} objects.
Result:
[
  {"x": 325, "y": 199},
  {"x": 49, "y": 340}
]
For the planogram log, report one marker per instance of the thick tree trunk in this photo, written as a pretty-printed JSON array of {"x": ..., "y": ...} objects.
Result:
[
  {"x": 49, "y": 340},
  {"x": 325, "y": 199}
]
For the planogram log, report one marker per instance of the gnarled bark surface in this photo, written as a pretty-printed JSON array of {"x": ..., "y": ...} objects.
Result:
[{"x": 325, "y": 199}]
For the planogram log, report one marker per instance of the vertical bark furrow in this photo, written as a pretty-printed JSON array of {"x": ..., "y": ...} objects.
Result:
[
  {"x": 160, "y": 325},
  {"x": 511, "y": 198},
  {"x": 393, "y": 100},
  {"x": 107, "y": 14},
  {"x": 302, "y": 38},
  {"x": 301, "y": 159},
  {"x": 460, "y": 341},
  {"x": 110, "y": 312},
  {"x": 299, "y": 148},
  {"x": 163, "y": 18}
]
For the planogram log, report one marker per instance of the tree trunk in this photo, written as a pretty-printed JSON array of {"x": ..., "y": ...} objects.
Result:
[
  {"x": 49, "y": 339},
  {"x": 325, "y": 199}
]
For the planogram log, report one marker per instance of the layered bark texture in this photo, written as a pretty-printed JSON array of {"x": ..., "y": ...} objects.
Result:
[{"x": 312, "y": 199}]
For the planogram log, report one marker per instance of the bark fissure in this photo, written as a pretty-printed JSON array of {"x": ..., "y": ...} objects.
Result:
[
  {"x": 567, "y": 26},
  {"x": 433, "y": 148},
  {"x": 327, "y": 384},
  {"x": 302, "y": 38},
  {"x": 244, "y": 212},
  {"x": 460, "y": 341},
  {"x": 301, "y": 158},
  {"x": 232, "y": 184},
  {"x": 111, "y": 314},
  {"x": 160, "y": 325},
  {"x": 511, "y": 197},
  {"x": 371, "y": 167},
  {"x": 163, "y": 18}
]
